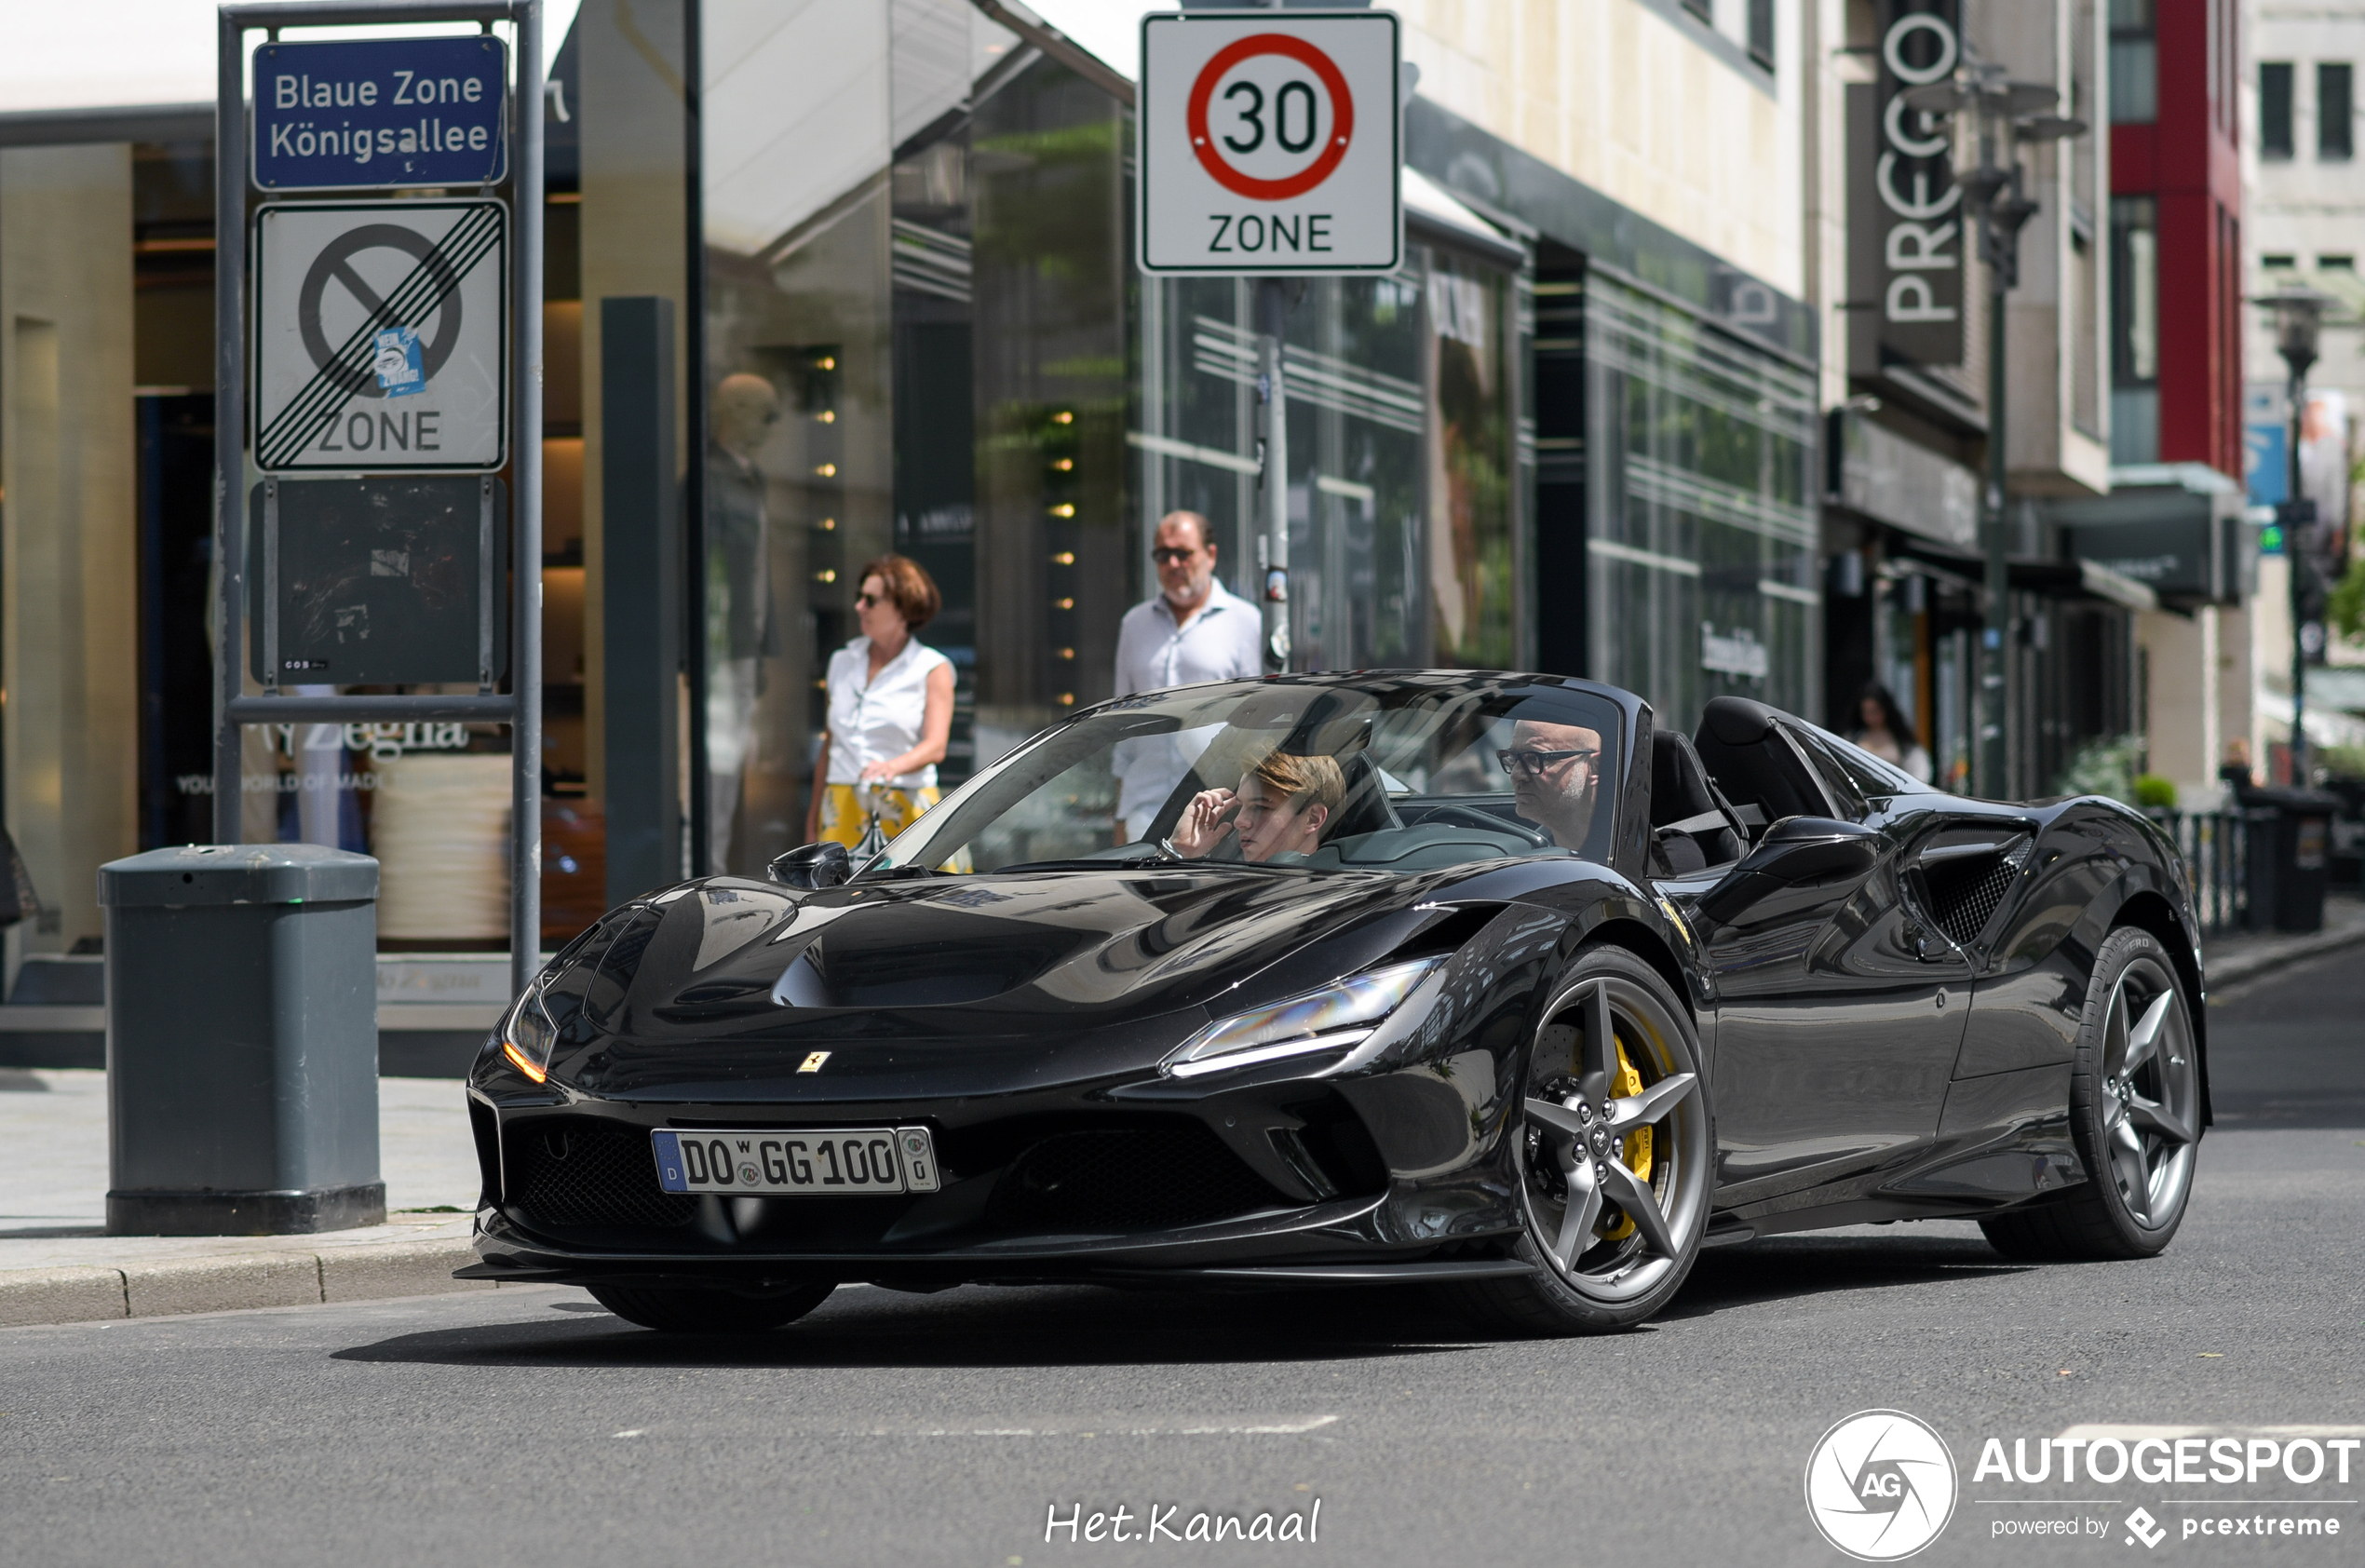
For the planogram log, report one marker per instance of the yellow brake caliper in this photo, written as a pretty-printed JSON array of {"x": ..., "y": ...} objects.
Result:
[{"x": 1637, "y": 1149}]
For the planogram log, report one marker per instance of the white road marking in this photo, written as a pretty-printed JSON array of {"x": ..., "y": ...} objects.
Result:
[
  {"x": 2133, "y": 1434},
  {"x": 1236, "y": 1427}
]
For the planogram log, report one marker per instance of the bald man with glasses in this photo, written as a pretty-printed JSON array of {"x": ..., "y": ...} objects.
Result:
[
  {"x": 1192, "y": 630},
  {"x": 1555, "y": 775}
]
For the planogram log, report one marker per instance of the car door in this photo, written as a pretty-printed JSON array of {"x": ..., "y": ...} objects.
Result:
[{"x": 1840, "y": 1013}]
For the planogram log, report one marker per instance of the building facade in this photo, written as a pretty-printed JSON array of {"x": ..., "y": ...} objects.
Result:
[
  {"x": 1580, "y": 427},
  {"x": 1901, "y": 284},
  {"x": 2306, "y": 213},
  {"x": 2174, "y": 519}
]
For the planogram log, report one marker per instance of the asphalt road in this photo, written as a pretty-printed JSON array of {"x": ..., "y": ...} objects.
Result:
[{"x": 528, "y": 1427}]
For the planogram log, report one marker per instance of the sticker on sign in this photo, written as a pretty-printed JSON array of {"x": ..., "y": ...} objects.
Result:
[
  {"x": 1270, "y": 142},
  {"x": 381, "y": 336}
]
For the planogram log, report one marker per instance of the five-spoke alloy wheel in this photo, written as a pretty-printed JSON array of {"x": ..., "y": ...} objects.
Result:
[
  {"x": 2135, "y": 1110},
  {"x": 1615, "y": 1142}
]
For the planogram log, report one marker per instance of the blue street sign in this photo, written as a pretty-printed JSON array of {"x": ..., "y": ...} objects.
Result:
[
  {"x": 2265, "y": 449},
  {"x": 380, "y": 113}
]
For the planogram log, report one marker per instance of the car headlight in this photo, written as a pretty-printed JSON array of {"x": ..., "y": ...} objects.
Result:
[
  {"x": 1336, "y": 1016},
  {"x": 528, "y": 1036}
]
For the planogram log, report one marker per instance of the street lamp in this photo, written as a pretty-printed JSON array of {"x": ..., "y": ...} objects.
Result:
[
  {"x": 2299, "y": 320},
  {"x": 2010, "y": 114}
]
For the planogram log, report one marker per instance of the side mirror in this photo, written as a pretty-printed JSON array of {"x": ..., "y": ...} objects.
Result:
[
  {"x": 809, "y": 866},
  {"x": 1795, "y": 850}
]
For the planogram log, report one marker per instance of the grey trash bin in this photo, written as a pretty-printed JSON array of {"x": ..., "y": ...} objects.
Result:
[
  {"x": 242, "y": 1041},
  {"x": 2290, "y": 857}
]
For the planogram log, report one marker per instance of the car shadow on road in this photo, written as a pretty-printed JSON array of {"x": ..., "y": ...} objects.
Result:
[
  {"x": 1076, "y": 1325},
  {"x": 1040, "y": 1326},
  {"x": 1783, "y": 1268}
]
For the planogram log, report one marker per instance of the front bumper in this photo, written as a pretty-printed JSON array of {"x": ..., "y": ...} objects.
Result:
[{"x": 1274, "y": 1179}]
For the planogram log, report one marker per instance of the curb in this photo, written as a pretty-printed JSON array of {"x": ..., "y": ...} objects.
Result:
[
  {"x": 2248, "y": 966},
  {"x": 233, "y": 1282}
]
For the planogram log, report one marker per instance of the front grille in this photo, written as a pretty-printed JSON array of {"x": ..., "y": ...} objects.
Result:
[
  {"x": 1128, "y": 1179},
  {"x": 578, "y": 1171}
]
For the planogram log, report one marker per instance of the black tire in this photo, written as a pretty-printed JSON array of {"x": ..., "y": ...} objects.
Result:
[
  {"x": 2146, "y": 1121},
  {"x": 1592, "y": 1267},
  {"x": 691, "y": 1311}
]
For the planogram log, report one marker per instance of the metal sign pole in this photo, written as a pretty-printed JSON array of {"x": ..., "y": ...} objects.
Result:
[
  {"x": 1272, "y": 311},
  {"x": 1212, "y": 201},
  {"x": 522, "y": 709},
  {"x": 229, "y": 418},
  {"x": 525, "y": 615},
  {"x": 1272, "y": 544}
]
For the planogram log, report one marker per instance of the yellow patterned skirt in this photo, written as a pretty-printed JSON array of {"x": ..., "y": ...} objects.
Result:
[
  {"x": 842, "y": 818},
  {"x": 844, "y": 821}
]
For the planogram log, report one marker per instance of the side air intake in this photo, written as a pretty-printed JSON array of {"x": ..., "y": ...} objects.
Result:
[{"x": 1964, "y": 885}]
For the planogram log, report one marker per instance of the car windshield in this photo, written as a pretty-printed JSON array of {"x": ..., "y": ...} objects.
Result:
[{"x": 1387, "y": 773}]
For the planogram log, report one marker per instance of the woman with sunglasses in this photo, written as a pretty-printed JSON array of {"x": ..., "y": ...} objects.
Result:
[{"x": 890, "y": 710}]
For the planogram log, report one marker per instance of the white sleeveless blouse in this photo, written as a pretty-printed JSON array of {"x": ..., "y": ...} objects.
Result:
[{"x": 873, "y": 720}]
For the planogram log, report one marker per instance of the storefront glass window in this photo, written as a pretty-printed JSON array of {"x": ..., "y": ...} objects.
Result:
[
  {"x": 1054, "y": 562},
  {"x": 1470, "y": 466},
  {"x": 1700, "y": 560},
  {"x": 916, "y": 343},
  {"x": 1400, "y": 513},
  {"x": 1356, "y": 493},
  {"x": 924, "y": 332},
  {"x": 796, "y": 468}
]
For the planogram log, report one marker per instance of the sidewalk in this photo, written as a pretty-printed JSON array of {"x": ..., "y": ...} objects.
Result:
[
  {"x": 2228, "y": 961},
  {"x": 59, "y": 1266}
]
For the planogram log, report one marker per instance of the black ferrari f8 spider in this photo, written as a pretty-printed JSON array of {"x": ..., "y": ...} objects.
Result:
[{"x": 1478, "y": 978}]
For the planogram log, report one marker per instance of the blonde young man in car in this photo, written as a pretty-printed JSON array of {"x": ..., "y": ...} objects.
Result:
[{"x": 1279, "y": 809}]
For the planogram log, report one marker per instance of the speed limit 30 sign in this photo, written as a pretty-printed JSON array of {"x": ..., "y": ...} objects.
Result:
[{"x": 1270, "y": 142}]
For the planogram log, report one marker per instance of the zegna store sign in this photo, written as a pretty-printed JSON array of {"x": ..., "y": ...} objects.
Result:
[{"x": 1907, "y": 232}]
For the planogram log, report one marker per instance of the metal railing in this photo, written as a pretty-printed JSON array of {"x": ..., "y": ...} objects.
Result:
[{"x": 2216, "y": 848}]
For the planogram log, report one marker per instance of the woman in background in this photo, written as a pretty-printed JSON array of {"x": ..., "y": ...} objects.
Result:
[
  {"x": 1888, "y": 734},
  {"x": 890, "y": 710}
]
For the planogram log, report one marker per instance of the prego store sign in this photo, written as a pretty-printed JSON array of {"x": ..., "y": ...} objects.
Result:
[{"x": 1908, "y": 233}]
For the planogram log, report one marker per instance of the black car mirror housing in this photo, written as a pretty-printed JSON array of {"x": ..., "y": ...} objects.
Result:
[
  {"x": 1795, "y": 850},
  {"x": 810, "y": 866}
]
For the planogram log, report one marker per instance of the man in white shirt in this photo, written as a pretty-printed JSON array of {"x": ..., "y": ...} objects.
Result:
[{"x": 1191, "y": 630}]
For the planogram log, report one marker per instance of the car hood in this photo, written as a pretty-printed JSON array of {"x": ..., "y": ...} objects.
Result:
[{"x": 715, "y": 979}]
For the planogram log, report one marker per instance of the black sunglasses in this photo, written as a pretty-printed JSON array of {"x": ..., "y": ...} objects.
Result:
[
  {"x": 1533, "y": 763},
  {"x": 1172, "y": 555}
]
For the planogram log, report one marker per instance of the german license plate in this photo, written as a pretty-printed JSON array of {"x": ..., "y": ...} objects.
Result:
[{"x": 839, "y": 1162}]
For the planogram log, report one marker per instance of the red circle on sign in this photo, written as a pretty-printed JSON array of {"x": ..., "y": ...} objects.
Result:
[{"x": 1342, "y": 116}]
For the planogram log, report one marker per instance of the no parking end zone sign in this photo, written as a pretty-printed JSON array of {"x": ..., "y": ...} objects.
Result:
[
  {"x": 1270, "y": 142},
  {"x": 381, "y": 336}
]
